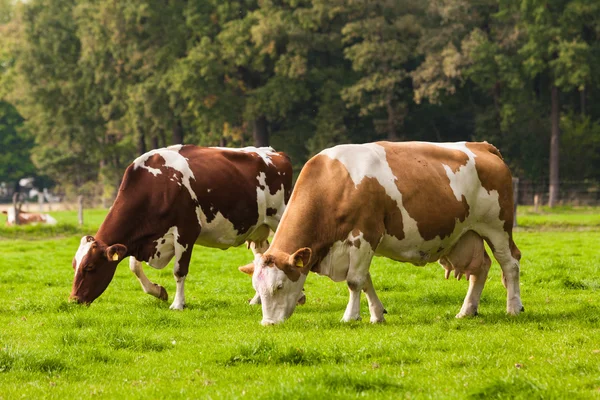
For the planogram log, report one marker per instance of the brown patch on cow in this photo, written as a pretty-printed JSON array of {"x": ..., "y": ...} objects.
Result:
[
  {"x": 419, "y": 169},
  {"x": 271, "y": 211}
]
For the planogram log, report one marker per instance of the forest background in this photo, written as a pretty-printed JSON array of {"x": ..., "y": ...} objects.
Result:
[{"x": 87, "y": 85}]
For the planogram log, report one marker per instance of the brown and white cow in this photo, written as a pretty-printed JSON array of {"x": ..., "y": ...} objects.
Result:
[
  {"x": 175, "y": 197},
  {"x": 412, "y": 202},
  {"x": 26, "y": 218}
]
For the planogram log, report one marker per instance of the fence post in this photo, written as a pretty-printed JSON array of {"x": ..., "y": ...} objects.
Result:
[
  {"x": 80, "y": 209},
  {"x": 515, "y": 185},
  {"x": 41, "y": 201},
  {"x": 16, "y": 207}
]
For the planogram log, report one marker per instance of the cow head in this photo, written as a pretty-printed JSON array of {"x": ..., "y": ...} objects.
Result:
[
  {"x": 95, "y": 264},
  {"x": 278, "y": 278}
]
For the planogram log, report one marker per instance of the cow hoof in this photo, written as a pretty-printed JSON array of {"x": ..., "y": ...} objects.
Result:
[
  {"x": 178, "y": 307},
  {"x": 467, "y": 314},
  {"x": 522, "y": 309},
  {"x": 163, "y": 295},
  {"x": 380, "y": 320},
  {"x": 385, "y": 311},
  {"x": 350, "y": 319}
]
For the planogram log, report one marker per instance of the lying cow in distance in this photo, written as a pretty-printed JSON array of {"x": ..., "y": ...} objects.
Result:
[
  {"x": 412, "y": 202},
  {"x": 26, "y": 218},
  {"x": 175, "y": 197}
]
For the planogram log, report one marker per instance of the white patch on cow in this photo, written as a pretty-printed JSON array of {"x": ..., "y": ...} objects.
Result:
[
  {"x": 166, "y": 248},
  {"x": 173, "y": 160},
  {"x": 10, "y": 216},
  {"x": 50, "y": 220},
  {"x": 219, "y": 232},
  {"x": 345, "y": 257},
  {"x": 84, "y": 248},
  {"x": 279, "y": 294},
  {"x": 175, "y": 147},
  {"x": 263, "y": 152}
]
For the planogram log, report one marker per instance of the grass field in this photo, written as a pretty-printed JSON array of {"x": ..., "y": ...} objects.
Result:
[{"x": 130, "y": 345}]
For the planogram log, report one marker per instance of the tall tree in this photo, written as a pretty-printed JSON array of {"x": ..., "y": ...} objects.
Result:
[{"x": 381, "y": 42}]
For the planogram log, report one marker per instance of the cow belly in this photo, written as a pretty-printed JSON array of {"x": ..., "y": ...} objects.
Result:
[
  {"x": 414, "y": 250},
  {"x": 219, "y": 233}
]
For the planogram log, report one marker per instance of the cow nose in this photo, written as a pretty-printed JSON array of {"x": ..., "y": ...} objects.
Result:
[
  {"x": 267, "y": 322},
  {"x": 75, "y": 299}
]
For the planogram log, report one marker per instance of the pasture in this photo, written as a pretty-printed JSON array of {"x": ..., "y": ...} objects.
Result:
[{"x": 130, "y": 345}]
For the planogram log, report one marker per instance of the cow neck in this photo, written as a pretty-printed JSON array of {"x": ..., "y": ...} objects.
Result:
[
  {"x": 120, "y": 228},
  {"x": 301, "y": 228}
]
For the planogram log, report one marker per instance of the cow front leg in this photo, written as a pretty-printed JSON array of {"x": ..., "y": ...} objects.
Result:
[
  {"x": 258, "y": 248},
  {"x": 375, "y": 307},
  {"x": 352, "y": 312},
  {"x": 476, "y": 284},
  {"x": 180, "y": 271},
  {"x": 151, "y": 288}
]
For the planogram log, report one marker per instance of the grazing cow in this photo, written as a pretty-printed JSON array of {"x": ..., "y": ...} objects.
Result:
[
  {"x": 175, "y": 197},
  {"x": 412, "y": 202},
  {"x": 28, "y": 218}
]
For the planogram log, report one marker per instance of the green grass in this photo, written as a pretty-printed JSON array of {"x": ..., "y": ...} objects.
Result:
[
  {"x": 559, "y": 217},
  {"x": 130, "y": 345}
]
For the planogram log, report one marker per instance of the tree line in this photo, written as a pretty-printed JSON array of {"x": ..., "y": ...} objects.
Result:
[{"x": 87, "y": 85}]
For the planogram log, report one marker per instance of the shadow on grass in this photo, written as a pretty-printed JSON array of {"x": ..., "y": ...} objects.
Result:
[{"x": 512, "y": 388}]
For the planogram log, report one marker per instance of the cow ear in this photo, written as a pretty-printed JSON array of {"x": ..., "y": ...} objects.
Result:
[
  {"x": 247, "y": 269},
  {"x": 301, "y": 258},
  {"x": 116, "y": 252}
]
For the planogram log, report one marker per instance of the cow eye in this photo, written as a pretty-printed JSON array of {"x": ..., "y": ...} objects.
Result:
[
  {"x": 88, "y": 267},
  {"x": 280, "y": 286}
]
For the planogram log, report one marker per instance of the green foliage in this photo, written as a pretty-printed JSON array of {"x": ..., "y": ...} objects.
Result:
[
  {"x": 15, "y": 144},
  {"x": 97, "y": 83}
]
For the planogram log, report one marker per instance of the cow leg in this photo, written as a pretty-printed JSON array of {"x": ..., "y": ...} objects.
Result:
[
  {"x": 151, "y": 288},
  {"x": 375, "y": 307},
  {"x": 257, "y": 247},
  {"x": 352, "y": 312},
  {"x": 358, "y": 278},
  {"x": 508, "y": 257},
  {"x": 476, "y": 284},
  {"x": 180, "y": 271}
]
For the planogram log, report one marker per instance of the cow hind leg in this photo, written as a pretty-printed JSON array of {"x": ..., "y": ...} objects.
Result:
[
  {"x": 508, "y": 256},
  {"x": 151, "y": 288},
  {"x": 375, "y": 307},
  {"x": 180, "y": 271}
]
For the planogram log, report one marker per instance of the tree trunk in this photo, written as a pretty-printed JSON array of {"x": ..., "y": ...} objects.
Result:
[
  {"x": 260, "y": 132},
  {"x": 391, "y": 122},
  {"x": 582, "y": 100},
  {"x": 177, "y": 132},
  {"x": 141, "y": 143},
  {"x": 155, "y": 144},
  {"x": 554, "y": 148}
]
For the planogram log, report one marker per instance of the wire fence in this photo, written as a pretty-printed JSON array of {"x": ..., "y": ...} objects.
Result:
[{"x": 573, "y": 193}]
